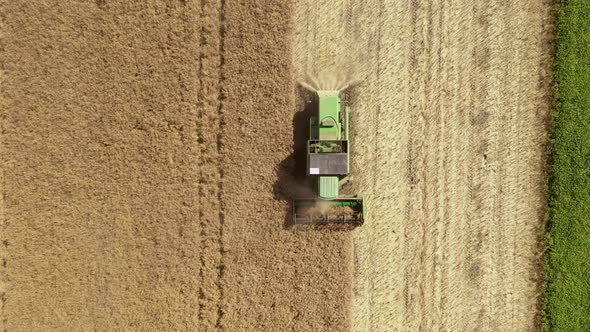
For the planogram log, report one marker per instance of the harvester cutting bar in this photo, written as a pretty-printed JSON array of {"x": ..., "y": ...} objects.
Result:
[{"x": 348, "y": 210}]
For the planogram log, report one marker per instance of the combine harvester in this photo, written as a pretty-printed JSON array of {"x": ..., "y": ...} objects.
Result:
[{"x": 328, "y": 153}]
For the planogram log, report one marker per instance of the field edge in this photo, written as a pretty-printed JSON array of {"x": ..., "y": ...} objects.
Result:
[{"x": 566, "y": 299}]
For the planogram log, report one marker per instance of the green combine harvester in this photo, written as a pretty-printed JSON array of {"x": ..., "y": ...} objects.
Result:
[{"x": 328, "y": 154}]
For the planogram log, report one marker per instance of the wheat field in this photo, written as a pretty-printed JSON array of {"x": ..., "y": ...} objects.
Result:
[{"x": 150, "y": 152}]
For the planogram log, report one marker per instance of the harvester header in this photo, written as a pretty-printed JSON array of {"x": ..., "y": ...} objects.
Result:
[{"x": 328, "y": 159}]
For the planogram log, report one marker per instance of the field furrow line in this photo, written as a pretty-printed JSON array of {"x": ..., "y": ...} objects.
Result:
[
  {"x": 466, "y": 283},
  {"x": 435, "y": 172},
  {"x": 220, "y": 163},
  {"x": 455, "y": 105},
  {"x": 472, "y": 263},
  {"x": 479, "y": 205},
  {"x": 413, "y": 244},
  {"x": 209, "y": 140},
  {"x": 430, "y": 188},
  {"x": 442, "y": 221},
  {"x": 3, "y": 157}
]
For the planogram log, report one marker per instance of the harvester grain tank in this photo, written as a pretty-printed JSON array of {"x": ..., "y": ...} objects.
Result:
[{"x": 328, "y": 162}]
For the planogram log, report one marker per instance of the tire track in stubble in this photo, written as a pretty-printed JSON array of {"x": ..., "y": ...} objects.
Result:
[
  {"x": 415, "y": 162},
  {"x": 455, "y": 298},
  {"x": 473, "y": 264},
  {"x": 430, "y": 185},
  {"x": 220, "y": 162},
  {"x": 209, "y": 139},
  {"x": 440, "y": 176},
  {"x": 435, "y": 221},
  {"x": 376, "y": 125},
  {"x": 3, "y": 246},
  {"x": 475, "y": 268}
]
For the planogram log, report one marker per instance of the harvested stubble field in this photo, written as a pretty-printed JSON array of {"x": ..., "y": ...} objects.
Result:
[{"x": 147, "y": 165}]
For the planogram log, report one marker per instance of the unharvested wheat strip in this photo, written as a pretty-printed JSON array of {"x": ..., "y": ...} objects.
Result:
[
  {"x": 304, "y": 41},
  {"x": 310, "y": 18},
  {"x": 331, "y": 26},
  {"x": 320, "y": 29},
  {"x": 208, "y": 123},
  {"x": 299, "y": 29}
]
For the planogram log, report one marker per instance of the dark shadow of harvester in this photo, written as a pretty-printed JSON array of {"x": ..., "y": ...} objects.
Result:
[
  {"x": 311, "y": 178},
  {"x": 292, "y": 180}
]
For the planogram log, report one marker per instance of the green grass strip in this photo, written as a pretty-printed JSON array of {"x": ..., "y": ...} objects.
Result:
[{"x": 567, "y": 305}]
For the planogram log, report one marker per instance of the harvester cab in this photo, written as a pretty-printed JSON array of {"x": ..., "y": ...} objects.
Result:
[{"x": 328, "y": 155}]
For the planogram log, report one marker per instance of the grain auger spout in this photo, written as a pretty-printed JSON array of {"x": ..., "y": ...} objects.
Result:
[{"x": 328, "y": 154}]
